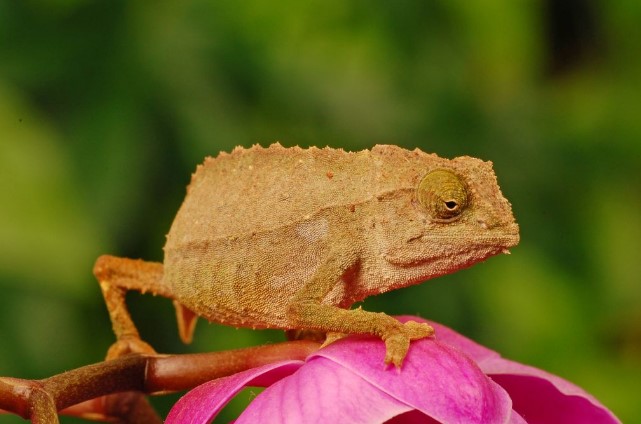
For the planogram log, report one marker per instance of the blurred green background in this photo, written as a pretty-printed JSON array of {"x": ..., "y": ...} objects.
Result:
[{"x": 107, "y": 107}]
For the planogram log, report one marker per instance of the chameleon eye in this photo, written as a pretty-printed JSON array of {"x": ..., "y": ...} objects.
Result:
[{"x": 443, "y": 194}]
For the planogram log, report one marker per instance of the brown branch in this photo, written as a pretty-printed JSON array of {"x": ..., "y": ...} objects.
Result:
[{"x": 91, "y": 388}]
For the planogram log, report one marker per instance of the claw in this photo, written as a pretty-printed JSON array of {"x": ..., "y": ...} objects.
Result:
[
  {"x": 331, "y": 337},
  {"x": 398, "y": 343},
  {"x": 127, "y": 345},
  {"x": 418, "y": 330}
]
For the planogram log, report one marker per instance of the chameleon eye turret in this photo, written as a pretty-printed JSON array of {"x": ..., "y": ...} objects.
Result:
[{"x": 443, "y": 194}]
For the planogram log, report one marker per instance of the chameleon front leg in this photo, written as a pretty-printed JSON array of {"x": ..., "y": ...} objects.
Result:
[
  {"x": 308, "y": 312},
  {"x": 118, "y": 275}
]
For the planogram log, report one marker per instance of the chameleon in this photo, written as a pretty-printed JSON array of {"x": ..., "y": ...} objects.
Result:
[{"x": 291, "y": 238}]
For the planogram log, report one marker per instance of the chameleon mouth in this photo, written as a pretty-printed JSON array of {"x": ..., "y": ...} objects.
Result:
[
  {"x": 501, "y": 237},
  {"x": 502, "y": 240},
  {"x": 454, "y": 251},
  {"x": 511, "y": 236}
]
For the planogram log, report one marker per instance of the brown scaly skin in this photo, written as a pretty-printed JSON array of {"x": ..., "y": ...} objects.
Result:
[{"x": 290, "y": 238}]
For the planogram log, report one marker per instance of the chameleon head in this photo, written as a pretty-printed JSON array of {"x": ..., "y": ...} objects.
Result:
[{"x": 454, "y": 217}]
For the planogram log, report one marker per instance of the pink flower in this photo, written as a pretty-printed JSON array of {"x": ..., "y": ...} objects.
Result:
[{"x": 446, "y": 379}]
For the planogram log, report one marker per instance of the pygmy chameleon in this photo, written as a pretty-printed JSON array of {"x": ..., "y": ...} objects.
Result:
[{"x": 290, "y": 238}]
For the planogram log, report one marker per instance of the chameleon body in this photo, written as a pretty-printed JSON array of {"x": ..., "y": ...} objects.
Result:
[{"x": 290, "y": 238}]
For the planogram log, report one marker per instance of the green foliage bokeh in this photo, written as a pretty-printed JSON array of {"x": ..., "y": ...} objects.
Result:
[{"x": 107, "y": 107}]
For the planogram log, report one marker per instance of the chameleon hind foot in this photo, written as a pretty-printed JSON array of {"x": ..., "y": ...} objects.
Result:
[{"x": 128, "y": 345}]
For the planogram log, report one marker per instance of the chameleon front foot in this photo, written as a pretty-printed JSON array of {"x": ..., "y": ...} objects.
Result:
[
  {"x": 127, "y": 345},
  {"x": 397, "y": 342}
]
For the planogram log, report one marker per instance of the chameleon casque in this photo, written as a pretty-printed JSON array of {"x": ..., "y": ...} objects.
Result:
[{"x": 290, "y": 238}]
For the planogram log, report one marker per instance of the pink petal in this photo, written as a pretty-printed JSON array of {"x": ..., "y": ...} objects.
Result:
[
  {"x": 416, "y": 417},
  {"x": 439, "y": 379},
  {"x": 539, "y": 401},
  {"x": 540, "y": 397},
  {"x": 516, "y": 418},
  {"x": 435, "y": 379},
  {"x": 202, "y": 404},
  {"x": 322, "y": 392}
]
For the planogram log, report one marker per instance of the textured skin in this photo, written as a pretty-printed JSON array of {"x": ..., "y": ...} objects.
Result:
[{"x": 289, "y": 238}]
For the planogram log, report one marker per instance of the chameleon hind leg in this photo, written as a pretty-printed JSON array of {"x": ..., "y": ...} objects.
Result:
[{"x": 119, "y": 275}]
